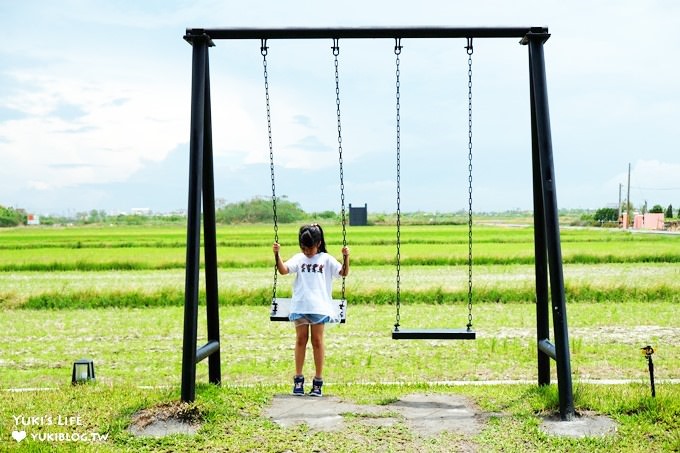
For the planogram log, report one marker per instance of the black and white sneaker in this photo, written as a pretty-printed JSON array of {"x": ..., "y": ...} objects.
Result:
[
  {"x": 299, "y": 385},
  {"x": 316, "y": 387}
]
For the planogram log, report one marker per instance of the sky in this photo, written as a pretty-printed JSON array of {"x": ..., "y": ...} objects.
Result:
[{"x": 95, "y": 105}]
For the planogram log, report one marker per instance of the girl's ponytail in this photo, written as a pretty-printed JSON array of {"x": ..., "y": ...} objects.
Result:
[{"x": 311, "y": 235}]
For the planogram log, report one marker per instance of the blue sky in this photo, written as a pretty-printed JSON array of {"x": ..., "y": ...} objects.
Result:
[{"x": 95, "y": 97}]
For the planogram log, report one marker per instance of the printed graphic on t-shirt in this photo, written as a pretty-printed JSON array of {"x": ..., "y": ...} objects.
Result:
[
  {"x": 313, "y": 268},
  {"x": 312, "y": 288}
]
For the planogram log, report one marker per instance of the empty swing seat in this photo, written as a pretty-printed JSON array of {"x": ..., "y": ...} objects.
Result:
[
  {"x": 280, "y": 309},
  {"x": 433, "y": 334}
]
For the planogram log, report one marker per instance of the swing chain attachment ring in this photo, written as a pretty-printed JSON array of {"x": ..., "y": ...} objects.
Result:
[{"x": 469, "y": 47}]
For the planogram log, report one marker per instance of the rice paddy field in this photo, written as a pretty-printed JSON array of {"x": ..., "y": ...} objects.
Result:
[
  {"x": 79, "y": 283},
  {"x": 116, "y": 294}
]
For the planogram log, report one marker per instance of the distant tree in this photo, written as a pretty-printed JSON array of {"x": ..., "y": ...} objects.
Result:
[
  {"x": 669, "y": 211},
  {"x": 326, "y": 215},
  {"x": 656, "y": 209},
  {"x": 10, "y": 217},
  {"x": 606, "y": 215},
  {"x": 129, "y": 219},
  {"x": 259, "y": 210},
  {"x": 587, "y": 218},
  {"x": 96, "y": 216}
]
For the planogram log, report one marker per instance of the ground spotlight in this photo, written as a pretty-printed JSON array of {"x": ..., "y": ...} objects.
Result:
[{"x": 83, "y": 371}]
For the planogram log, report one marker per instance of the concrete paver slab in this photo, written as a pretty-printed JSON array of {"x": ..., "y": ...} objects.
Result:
[
  {"x": 434, "y": 413},
  {"x": 425, "y": 414},
  {"x": 586, "y": 425}
]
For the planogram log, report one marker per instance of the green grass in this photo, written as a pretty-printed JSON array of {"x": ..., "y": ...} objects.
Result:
[
  {"x": 116, "y": 295},
  {"x": 366, "y": 284},
  {"x": 142, "y": 345},
  {"x": 100, "y": 249},
  {"x": 233, "y": 420}
]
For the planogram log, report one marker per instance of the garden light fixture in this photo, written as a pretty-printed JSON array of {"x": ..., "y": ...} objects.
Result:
[{"x": 83, "y": 371}]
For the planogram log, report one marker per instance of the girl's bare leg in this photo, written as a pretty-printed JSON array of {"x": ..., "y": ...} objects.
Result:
[
  {"x": 318, "y": 348},
  {"x": 301, "y": 336}
]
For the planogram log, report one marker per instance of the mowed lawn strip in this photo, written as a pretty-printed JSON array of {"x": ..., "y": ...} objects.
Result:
[{"x": 143, "y": 345}]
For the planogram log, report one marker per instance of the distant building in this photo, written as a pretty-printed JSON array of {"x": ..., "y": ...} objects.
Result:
[
  {"x": 358, "y": 216},
  {"x": 141, "y": 211},
  {"x": 32, "y": 219},
  {"x": 649, "y": 221}
]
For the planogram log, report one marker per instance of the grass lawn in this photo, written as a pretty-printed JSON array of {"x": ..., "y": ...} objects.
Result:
[
  {"x": 137, "y": 354},
  {"x": 233, "y": 421},
  {"x": 115, "y": 295},
  {"x": 142, "y": 345}
]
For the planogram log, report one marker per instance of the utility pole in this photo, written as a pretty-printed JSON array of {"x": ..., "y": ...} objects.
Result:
[
  {"x": 628, "y": 199},
  {"x": 619, "y": 216}
]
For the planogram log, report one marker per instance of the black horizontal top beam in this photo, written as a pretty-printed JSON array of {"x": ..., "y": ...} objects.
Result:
[{"x": 362, "y": 32}]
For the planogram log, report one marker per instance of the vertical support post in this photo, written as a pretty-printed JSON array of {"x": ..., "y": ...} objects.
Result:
[
  {"x": 210, "y": 238},
  {"x": 544, "y": 141},
  {"x": 628, "y": 205},
  {"x": 540, "y": 247},
  {"x": 196, "y": 150}
]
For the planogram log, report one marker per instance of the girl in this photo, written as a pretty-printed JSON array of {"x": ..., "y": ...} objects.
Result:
[{"x": 312, "y": 305}]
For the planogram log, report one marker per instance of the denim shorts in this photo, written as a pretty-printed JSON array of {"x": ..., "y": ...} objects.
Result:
[{"x": 311, "y": 318}]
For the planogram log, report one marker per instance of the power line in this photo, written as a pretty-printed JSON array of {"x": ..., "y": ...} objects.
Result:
[{"x": 655, "y": 188}]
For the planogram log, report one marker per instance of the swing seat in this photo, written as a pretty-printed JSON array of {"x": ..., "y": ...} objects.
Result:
[
  {"x": 434, "y": 334},
  {"x": 280, "y": 309}
]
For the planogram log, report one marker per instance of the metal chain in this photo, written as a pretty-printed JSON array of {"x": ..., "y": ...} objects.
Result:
[
  {"x": 469, "y": 52},
  {"x": 336, "y": 52},
  {"x": 397, "y": 52},
  {"x": 263, "y": 51}
]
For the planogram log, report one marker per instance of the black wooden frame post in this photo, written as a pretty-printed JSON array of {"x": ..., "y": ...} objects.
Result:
[
  {"x": 548, "y": 234},
  {"x": 540, "y": 248},
  {"x": 201, "y": 188},
  {"x": 210, "y": 244}
]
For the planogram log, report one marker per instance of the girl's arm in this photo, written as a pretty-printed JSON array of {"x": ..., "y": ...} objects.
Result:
[
  {"x": 280, "y": 266},
  {"x": 344, "y": 271}
]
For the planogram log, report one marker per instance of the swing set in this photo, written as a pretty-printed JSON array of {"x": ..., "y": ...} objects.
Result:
[
  {"x": 280, "y": 307},
  {"x": 548, "y": 259}
]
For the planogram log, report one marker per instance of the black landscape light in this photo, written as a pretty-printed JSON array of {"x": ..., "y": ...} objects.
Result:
[
  {"x": 648, "y": 351},
  {"x": 83, "y": 371}
]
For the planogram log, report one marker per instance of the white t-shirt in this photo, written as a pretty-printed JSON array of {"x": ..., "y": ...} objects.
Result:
[{"x": 312, "y": 289}]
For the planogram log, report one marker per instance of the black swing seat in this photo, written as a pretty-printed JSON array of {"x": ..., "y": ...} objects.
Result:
[
  {"x": 280, "y": 309},
  {"x": 434, "y": 334}
]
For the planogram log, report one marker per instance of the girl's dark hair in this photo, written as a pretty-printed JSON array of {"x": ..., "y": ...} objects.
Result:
[{"x": 311, "y": 235}]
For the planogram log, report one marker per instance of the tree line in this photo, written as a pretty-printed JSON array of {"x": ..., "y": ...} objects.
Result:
[
  {"x": 609, "y": 215},
  {"x": 255, "y": 210},
  {"x": 259, "y": 210}
]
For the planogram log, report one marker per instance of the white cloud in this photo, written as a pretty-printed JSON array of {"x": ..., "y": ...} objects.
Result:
[
  {"x": 98, "y": 90},
  {"x": 299, "y": 138},
  {"x": 651, "y": 174},
  {"x": 651, "y": 180},
  {"x": 38, "y": 185},
  {"x": 110, "y": 140}
]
